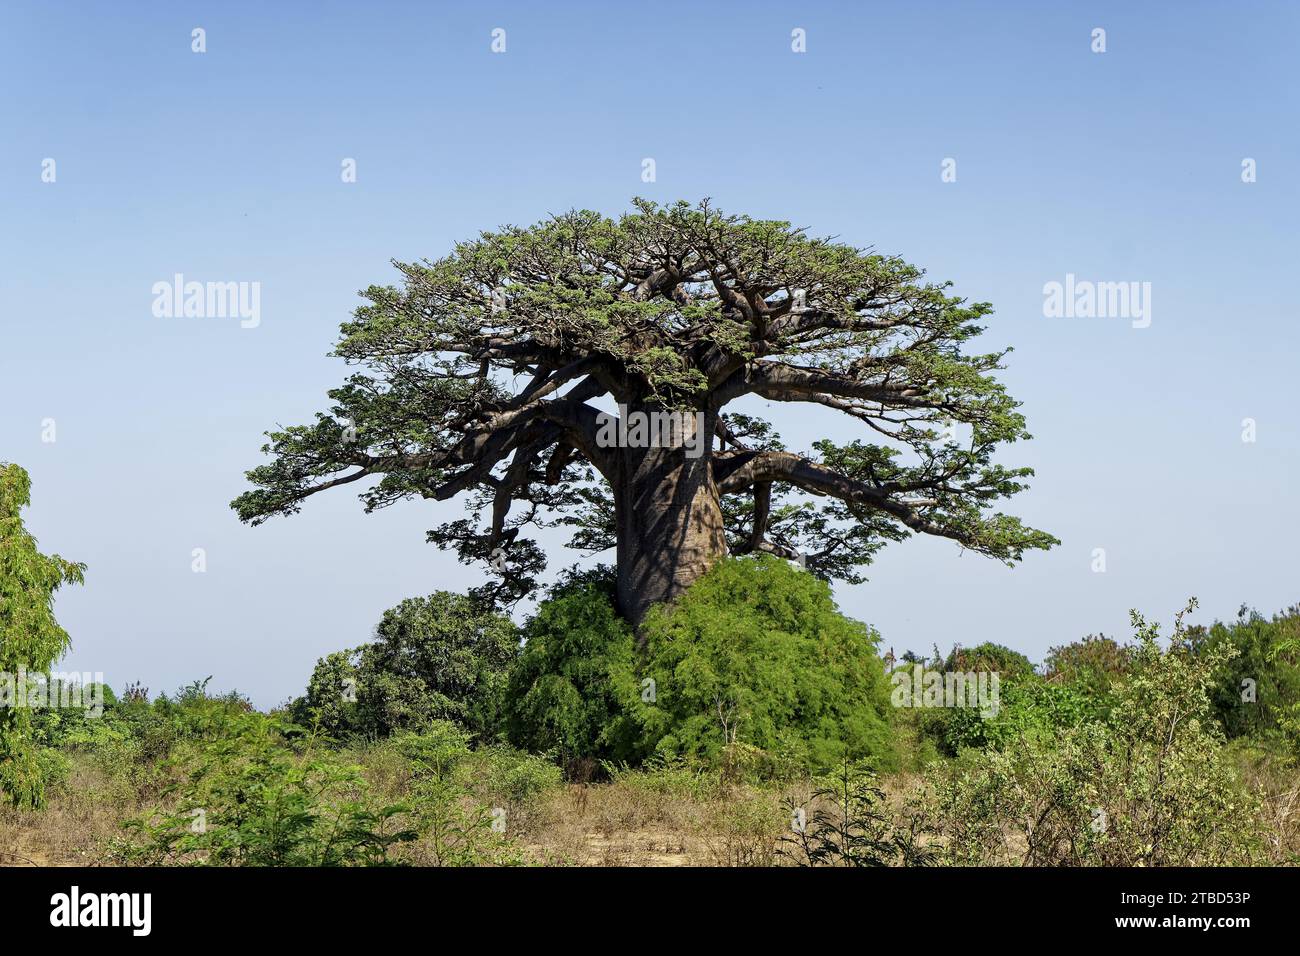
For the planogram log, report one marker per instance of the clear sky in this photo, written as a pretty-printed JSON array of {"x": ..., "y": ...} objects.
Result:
[{"x": 225, "y": 166}]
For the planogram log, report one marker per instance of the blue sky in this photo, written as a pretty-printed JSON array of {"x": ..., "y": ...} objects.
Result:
[{"x": 225, "y": 166}]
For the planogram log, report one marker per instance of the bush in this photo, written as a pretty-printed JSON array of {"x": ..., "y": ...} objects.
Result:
[
  {"x": 53, "y": 726},
  {"x": 1256, "y": 689},
  {"x": 1009, "y": 665},
  {"x": 1151, "y": 786},
  {"x": 444, "y": 657},
  {"x": 30, "y": 638},
  {"x": 514, "y": 782},
  {"x": 571, "y": 688},
  {"x": 329, "y": 705},
  {"x": 756, "y": 653},
  {"x": 455, "y": 827},
  {"x": 1093, "y": 664},
  {"x": 850, "y": 824},
  {"x": 246, "y": 799},
  {"x": 1028, "y": 710}
]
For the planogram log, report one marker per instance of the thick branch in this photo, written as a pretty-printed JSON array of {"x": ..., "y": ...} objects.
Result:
[
  {"x": 746, "y": 469},
  {"x": 789, "y": 383}
]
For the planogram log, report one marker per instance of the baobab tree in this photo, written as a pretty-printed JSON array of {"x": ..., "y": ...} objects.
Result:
[{"x": 493, "y": 373}]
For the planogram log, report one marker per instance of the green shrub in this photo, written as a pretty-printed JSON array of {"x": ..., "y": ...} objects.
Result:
[
  {"x": 437, "y": 753},
  {"x": 330, "y": 705},
  {"x": 1256, "y": 689},
  {"x": 1094, "y": 665},
  {"x": 1151, "y": 786},
  {"x": 756, "y": 653},
  {"x": 1010, "y": 666},
  {"x": 669, "y": 778},
  {"x": 571, "y": 687},
  {"x": 513, "y": 783},
  {"x": 444, "y": 657},
  {"x": 30, "y": 638},
  {"x": 455, "y": 825},
  {"x": 848, "y": 822},
  {"x": 1029, "y": 709},
  {"x": 246, "y": 799}
]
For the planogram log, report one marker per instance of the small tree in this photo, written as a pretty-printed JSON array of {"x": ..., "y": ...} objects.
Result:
[
  {"x": 30, "y": 637},
  {"x": 441, "y": 657}
]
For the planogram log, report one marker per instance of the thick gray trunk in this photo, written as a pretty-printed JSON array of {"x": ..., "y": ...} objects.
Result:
[{"x": 669, "y": 520}]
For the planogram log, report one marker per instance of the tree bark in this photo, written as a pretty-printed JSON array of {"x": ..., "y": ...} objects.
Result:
[{"x": 669, "y": 519}]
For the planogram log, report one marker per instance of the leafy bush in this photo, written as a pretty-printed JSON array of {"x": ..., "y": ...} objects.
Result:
[
  {"x": 330, "y": 704},
  {"x": 30, "y": 638},
  {"x": 1010, "y": 666},
  {"x": 455, "y": 827},
  {"x": 513, "y": 782},
  {"x": 668, "y": 777},
  {"x": 444, "y": 657},
  {"x": 246, "y": 799},
  {"x": 756, "y": 653},
  {"x": 1093, "y": 664},
  {"x": 753, "y": 669},
  {"x": 1150, "y": 786},
  {"x": 54, "y": 726},
  {"x": 1255, "y": 690},
  {"x": 1029, "y": 706},
  {"x": 571, "y": 688},
  {"x": 1030, "y": 709}
]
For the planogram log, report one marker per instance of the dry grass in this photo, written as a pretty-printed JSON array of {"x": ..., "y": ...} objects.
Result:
[
  {"x": 626, "y": 823},
  {"x": 83, "y": 814},
  {"x": 636, "y": 819}
]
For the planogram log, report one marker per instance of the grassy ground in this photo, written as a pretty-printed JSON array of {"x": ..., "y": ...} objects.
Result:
[{"x": 637, "y": 818}]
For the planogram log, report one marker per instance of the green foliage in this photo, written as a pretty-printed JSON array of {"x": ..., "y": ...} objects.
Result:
[
  {"x": 448, "y": 789},
  {"x": 1030, "y": 709},
  {"x": 677, "y": 306},
  {"x": 241, "y": 788},
  {"x": 756, "y": 653},
  {"x": 572, "y": 686},
  {"x": 444, "y": 657},
  {"x": 330, "y": 704},
  {"x": 1257, "y": 689},
  {"x": 1029, "y": 706},
  {"x": 245, "y": 798},
  {"x": 1009, "y": 665},
  {"x": 1093, "y": 664},
  {"x": 512, "y": 780},
  {"x": 30, "y": 637},
  {"x": 670, "y": 777},
  {"x": 752, "y": 670},
  {"x": 1053, "y": 779},
  {"x": 1151, "y": 785},
  {"x": 851, "y": 825},
  {"x": 436, "y": 753},
  {"x": 80, "y": 707}
]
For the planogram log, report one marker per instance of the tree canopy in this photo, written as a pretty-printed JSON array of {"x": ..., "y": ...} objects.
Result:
[{"x": 482, "y": 374}]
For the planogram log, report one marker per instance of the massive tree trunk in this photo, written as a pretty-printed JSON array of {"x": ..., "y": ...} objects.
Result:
[{"x": 669, "y": 521}]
